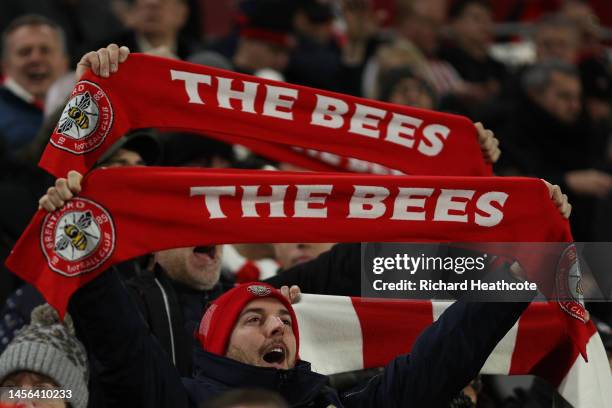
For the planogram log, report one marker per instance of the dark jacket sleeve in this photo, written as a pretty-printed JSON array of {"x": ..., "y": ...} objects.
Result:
[
  {"x": 134, "y": 370},
  {"x": 334, "y": 272},
  {"x": 444, "y": 359}
]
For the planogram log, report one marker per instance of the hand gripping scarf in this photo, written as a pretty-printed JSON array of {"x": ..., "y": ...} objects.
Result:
[
  {"x": 311, "y": 128},
  {"x": 126, "y": 212},
  {"x": 123, "y": 213}
]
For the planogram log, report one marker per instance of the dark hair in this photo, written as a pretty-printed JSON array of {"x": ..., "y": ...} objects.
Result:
[
  {"x": 248, "y": 398},
  {"x": 32, "y": 20},
  {"x": 391, "y": 78},
  {"x": 459, "y": 6}
]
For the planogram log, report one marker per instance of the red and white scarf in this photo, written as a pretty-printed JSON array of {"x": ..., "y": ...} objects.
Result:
[
  {"x": 339, "y": 334},
  {"x": 123, "y": 213},
  {"x": 311, "y": 128},
  {"x": 126, "y": 212}
]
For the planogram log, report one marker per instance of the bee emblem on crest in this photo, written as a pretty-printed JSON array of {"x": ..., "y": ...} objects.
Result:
[
  {"x": 79, "y": 117},
  {"x": 75, "y": 234},
  {"x": 86, "y": 120},
  {"x": 78, "y": 237}
]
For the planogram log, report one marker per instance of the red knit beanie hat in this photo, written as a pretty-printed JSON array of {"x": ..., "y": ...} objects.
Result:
[{"x": 220, "y": 318}]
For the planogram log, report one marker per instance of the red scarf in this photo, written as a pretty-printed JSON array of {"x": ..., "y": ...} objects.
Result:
[
  {"x": 269, "y": 117},
  {"x": 126, "y": 212},
  {"x": 369, "y": 334}
]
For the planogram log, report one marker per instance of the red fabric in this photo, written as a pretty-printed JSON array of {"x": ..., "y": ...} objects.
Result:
[
  {"x": 550, "y": 356},
  {"x": 275, "y": 37},
  {"x": 126, "y": 202},
  {"x": 542, "y": 347},
  {"x": 249, "y": 272},
  {"x": 377, "y": 316},
  {"x": 220, "y": 318},
  {"x": 143, "y": 94}
]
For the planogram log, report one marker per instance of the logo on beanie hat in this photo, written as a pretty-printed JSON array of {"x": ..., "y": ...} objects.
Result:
[
  {"x": 85, "y": 121},
  {"x": 259, "y": 290},
  {"x": 77, "y": 238}
]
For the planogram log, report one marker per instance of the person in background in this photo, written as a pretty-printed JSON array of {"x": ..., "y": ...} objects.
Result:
[
  {"x": 154, "y": 25},
  {"x": 467, "y": 50},
  {"x": 551, "y": 137},
  {"x": 33, "y": 58},
  {"x": 556, "y": 38},
  {"x": 46, "y": 355},
  {"x": 288, "y": 255},
  {"x": 136, "y": 149}
]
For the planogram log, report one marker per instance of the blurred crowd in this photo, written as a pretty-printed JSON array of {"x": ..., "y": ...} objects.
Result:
[{"x": 538, "y": 73}]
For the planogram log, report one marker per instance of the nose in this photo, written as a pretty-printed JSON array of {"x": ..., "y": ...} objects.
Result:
[
  {"x": 36, "y": 55},
  {"x": 275, "y": 326}
]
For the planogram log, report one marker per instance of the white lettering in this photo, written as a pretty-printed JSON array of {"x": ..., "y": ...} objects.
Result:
[
  {"x": 328, "y": 112},
  {"x": 493, "y": 215},
  {"x": 406, "y": 199},
  {"x": 446, "y": 203},
  {"x": 433, "y": 139},
  {"x": 401, "y": 129},
  {"x": 279, "y": 102},
  {"x": 211, "y": 198},
  {"x": 366, "y": 202},
  {"x": 305, "y": 196},
  {"x": 366, "y": 119},
  {"x": 191, "y": 83},
  {"x": 250, "y": 199},
  {"x": 225, "y": 93}
]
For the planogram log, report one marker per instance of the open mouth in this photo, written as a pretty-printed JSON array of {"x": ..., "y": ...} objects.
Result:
[
  {"x": 276, "y": 355},
  {"x": 37, "y": 76}
]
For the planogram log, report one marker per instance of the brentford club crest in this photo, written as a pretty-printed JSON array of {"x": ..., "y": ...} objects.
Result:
[
  {"x": 77, "y": 238},
  {"x": 85, "y": 121},
  {"x": 569, "y": 284},
  {"x": 259, "y": 290}
]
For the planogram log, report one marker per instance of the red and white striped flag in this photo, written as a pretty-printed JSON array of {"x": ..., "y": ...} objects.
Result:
[{"x": 339, "y": 334}]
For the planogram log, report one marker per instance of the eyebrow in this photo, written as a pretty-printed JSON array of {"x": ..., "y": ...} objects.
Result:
[{"x": 282, "y": 312}]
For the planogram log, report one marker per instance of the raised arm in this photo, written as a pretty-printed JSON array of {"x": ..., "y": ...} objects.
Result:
[
  {"x": 444, "y": 359},
  {"x": 132, "y": 368}
]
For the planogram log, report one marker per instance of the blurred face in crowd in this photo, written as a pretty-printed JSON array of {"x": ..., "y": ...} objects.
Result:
[
  {"x": 474, "y": 26},
  {"x": 29, "y": 380},
  {"x": 560, "y": 43},
  {"x": 155, "y": 18},
  {"x": 253, "y": 54},
  {"x": 562, "y": 97},
  {"x": 34, "y": 57},
  {"x": 319, "y": 31},
  {"x": 586, "y": 21},
  {"x": 289, "y": 255},
  {"x": 197, "y": 267},
  {"x": 263, "y": 335},
  {"x": 411, "y": 92},
  {"x": 423, "y": 30}
]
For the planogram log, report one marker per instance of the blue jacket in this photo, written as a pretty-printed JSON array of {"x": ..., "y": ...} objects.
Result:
[
  {"x": 19, "y": 121},
  {"x": 136, "y": 371}
]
